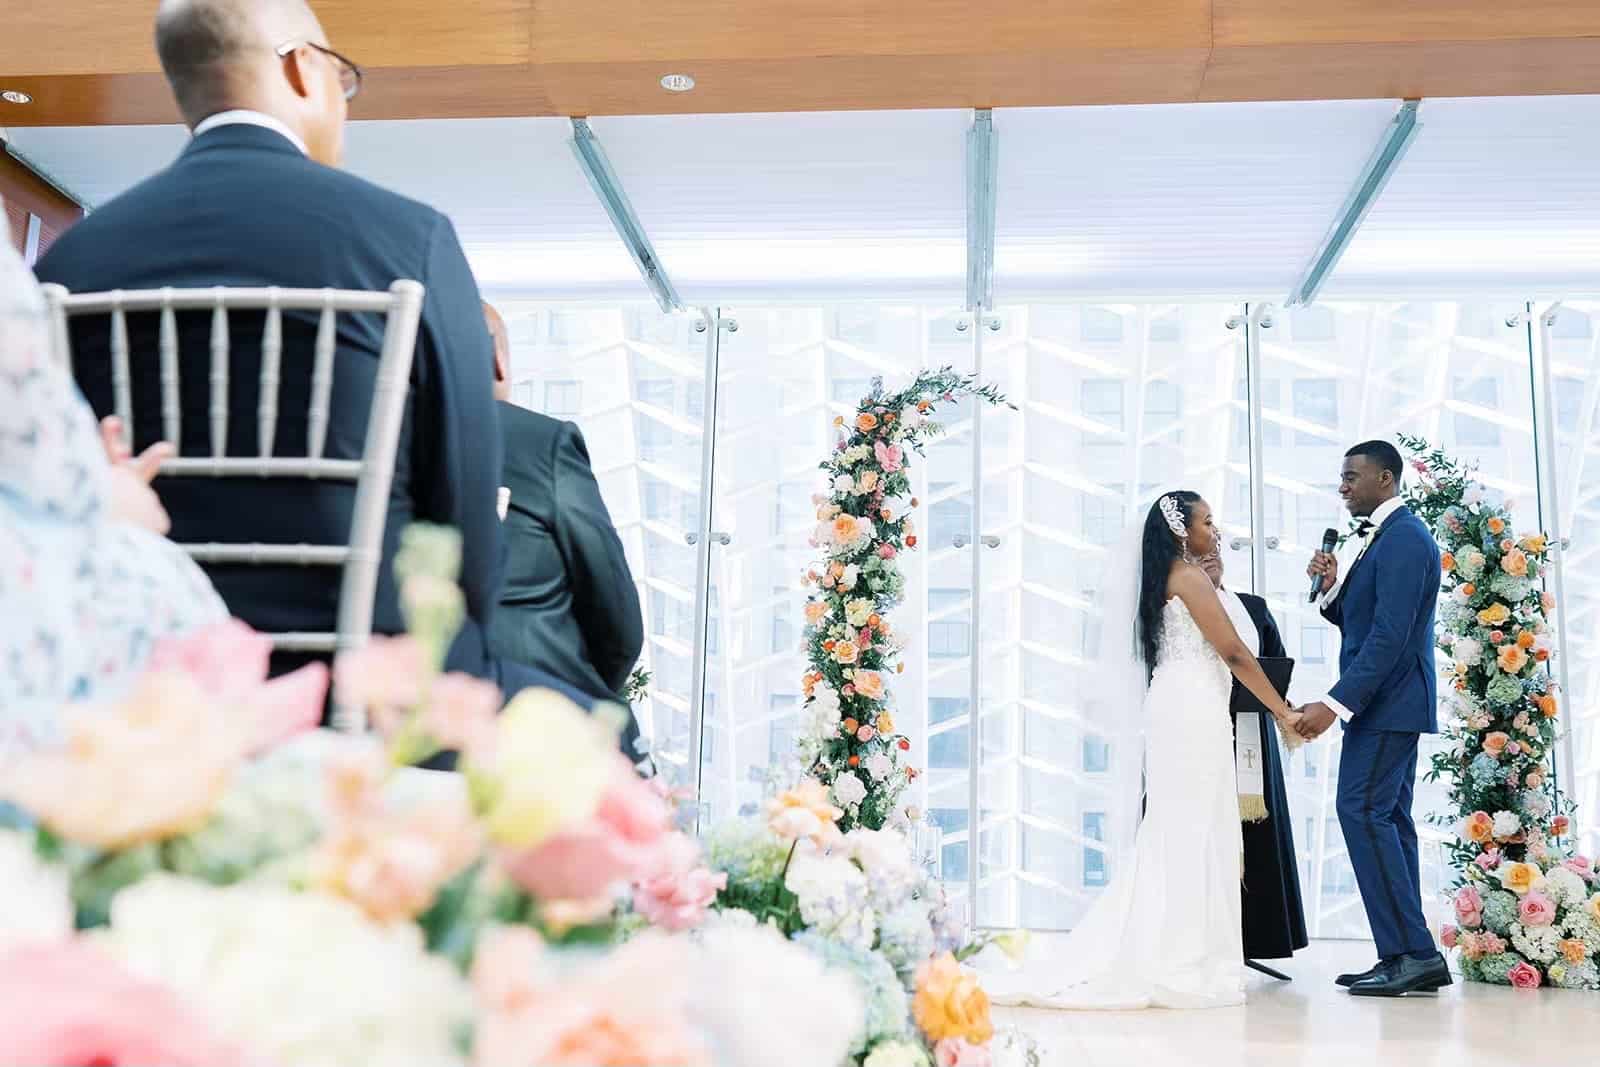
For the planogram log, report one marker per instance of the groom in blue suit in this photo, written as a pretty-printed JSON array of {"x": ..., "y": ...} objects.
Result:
[{"x": 1382, "y": 597}]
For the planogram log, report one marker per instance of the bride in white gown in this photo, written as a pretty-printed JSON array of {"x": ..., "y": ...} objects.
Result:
[{"x": 1166, "y": 932}]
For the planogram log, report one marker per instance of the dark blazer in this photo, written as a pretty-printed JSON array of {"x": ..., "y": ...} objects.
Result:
[
  {"x": 242, "y": 207},
  {"x": 1261, "y": 615},
  {"x": 1385, "y": 614},
  {"x": 569, "y": 605}
]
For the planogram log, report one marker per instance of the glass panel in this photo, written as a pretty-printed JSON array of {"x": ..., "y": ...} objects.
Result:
[
  {"x": 1575, "y": 369},
  {"x": 634, "y": 380},
  {"x": 785, "y": 375},
  {"x": 1118, "y": 402},
  {"x": 1333, "y": 376}
]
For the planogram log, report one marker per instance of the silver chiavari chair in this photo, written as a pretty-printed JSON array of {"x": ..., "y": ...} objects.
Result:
[{"x": 372, "y": 473}]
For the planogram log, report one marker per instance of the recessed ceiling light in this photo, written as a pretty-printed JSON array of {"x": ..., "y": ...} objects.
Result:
[
  {"x": 16, "y": 96},
  {"x": 677, "y": 83}
]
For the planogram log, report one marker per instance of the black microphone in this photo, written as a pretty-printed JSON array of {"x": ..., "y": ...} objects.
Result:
[{"x": 1330, "y": 540}]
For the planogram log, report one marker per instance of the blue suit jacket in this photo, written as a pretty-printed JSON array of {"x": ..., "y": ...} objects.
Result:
[
  {"x": 1385, "y": 613},
  {"x": 242, "y": 207}
]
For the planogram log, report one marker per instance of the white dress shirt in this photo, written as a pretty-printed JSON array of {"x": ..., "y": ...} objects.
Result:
[
  {"x": 1349, "y": 556},
  {"x": 242, "y": 117}
]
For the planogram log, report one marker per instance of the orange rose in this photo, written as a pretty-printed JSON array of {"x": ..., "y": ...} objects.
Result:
[
  {"x": 1515, "y": 563},
  {"x": 1512, "y": 659},
  {"x": 869, "y": 684},
  {"x": 1494, "y": 615},
  {"x": 850, "y": 726},
  {"x": 1541, "y": 654},
  {"x": 1535, "y": 543},
  {"x": 1479, "y": 828},
  {"x": 1497, "y": 525},
  {"x": 854, "y": 761},
  {"x": 911, "y": 541},
  {"x": 815, "y": 611},
  {"x": 1547, "y": 705},
  {"x": 1574, "y": 950},
  {"x": 1448, "y": 561},
  {"x": 1496, "y": 743},
  {"x": 866, "y": 422},
  {"x": 874, "y": 619},
  {"x": 949, "y": 1002},
  {"x": 846, "y": 652},
  {"x": 845, "y": 529},
  {"x": 1470, "y": 590},
  {"x": 1521, "y": 878}
]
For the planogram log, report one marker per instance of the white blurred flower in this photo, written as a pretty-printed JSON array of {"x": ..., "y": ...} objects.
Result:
[
  {"x": 1506, "y": 824},
  {"x": 832, "y": 896},
  {"x": 1468, "y": 652},
  {"x": 38, "y": 905},
  {"x": 1473, "y": 494},
  {"x": 849, "y": 790},
  {"x": 1535, "y": 805},
  {"x": 879, "y": 765},
  {"x": 301, "y": 978},
  {"x": 823, "y": 712},
  {"x": 844, "y": 484},
  {"x": 858, "y": 611},
  {"x": 852, "y": 575},
  {"x": 753, "y": 983},
  {"x": 896, "y": 1053},
  {"x": 898, "y": 507}
]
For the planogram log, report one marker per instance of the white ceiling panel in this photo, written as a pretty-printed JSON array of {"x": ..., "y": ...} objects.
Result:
[
  {"x": 799, "y": 204},
  {"x": 1495, "y": 195},
  {"x": 1192, "y": 199}
]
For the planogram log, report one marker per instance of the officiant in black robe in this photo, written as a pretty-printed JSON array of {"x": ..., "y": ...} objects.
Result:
[{"x": 1274, "y": 917}]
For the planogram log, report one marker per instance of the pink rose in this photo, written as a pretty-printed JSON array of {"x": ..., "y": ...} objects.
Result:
[
  {"x": 1536, "y": 909},
  {"x": 676, "y": 894},
  {"x": 1469, "y": 907},
  {"x": 1447, "y": 936},
  {"x": 68, "y": 1004},
  {"x": 1489, "y": 859},
  {"x": 886, "y": 551},
  {"x": 621, "y": 842},
  {"x": 958, "y": 1052},
  {"x": 1525, "y": 976},
  {"x": 866, "y": 733},
  {"x": 890, "y": 457},
  {"x": 461, "y": 711},
  {"x": 1491, "y": 944},
  {"x": 1580, "y": 866}
]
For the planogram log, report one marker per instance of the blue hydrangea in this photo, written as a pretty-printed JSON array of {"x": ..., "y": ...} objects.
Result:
[
  {"x": 1487, "y": 771},
  {"x": 1496, "y": 970},
  {"x": 905, "y": 937},
  {"x": 1510, "y": 589},
  {"x": 1504, "y": 690},
  {"x": 1500, "y": 911},
  {"x": 887, "y": 1008}
]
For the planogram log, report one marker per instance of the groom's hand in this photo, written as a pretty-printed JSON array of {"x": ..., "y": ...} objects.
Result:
[
  {"x": 1314, "y": 720},
  {"x": 1324, "y": 565}
]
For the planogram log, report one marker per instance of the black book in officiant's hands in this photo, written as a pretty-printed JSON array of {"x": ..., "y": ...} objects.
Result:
[{"x": 1279, "y": 670}]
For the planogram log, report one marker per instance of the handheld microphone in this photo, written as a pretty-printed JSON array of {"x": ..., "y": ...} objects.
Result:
[{"x": 1330, "y": 540}]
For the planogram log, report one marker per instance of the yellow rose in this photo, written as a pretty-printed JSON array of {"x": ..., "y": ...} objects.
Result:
[
  {"x": 949, "y": 1002},
  {"x": 846, "y": 652},
  {"x": 551, "y": 764},
  {"x": 857, "y": 612},
  {"x": 1521, "y": 878},
  {"x": 1494, "y": 615},
  {"x": 1534, "y": 543},
  {"x": 1594, "y": 907}
]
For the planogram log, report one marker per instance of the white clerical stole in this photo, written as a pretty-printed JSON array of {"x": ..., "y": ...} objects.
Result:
[{"x": 1249, "y": 760}]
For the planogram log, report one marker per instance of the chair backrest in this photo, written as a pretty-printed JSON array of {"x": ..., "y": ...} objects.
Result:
[{"x": 372, "y": 473}]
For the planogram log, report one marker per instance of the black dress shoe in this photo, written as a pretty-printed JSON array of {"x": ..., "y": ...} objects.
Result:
[
  {"x": 1348, "y": 980},
  {"x": 1405, "y": 974}
]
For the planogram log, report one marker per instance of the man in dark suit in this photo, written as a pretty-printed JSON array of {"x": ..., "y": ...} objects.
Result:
[
  {"x": 569, "y": 605},
  {"x": 1387, "y": 698},
  {"x": 255, "y": 200}
]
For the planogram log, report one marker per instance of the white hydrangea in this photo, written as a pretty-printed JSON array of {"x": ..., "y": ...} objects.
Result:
[
  {"x": 879, "y": 765},
  {"x": 849, "y": 790},
  {"x": 1468, "y": 652},
  {"x": 823, "y": 712},
  {"x": 896, "y": 1053},
  {"x": 1541, "y": 944},
  {"x": 1566, "y": 888},
  {"x": 1580, "y": 926},
  {"x": 302, "y": 978},
  {"x": 38, "y": 905},
  {"x": 832, "y": 895},
  {"x": 1535, "y": 805},
  {"x": 1506, "y": 824},
  {"x": 844, "y": 484}
]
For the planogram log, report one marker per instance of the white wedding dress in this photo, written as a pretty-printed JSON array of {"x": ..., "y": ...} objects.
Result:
[{"x": 1166, "y": 931}]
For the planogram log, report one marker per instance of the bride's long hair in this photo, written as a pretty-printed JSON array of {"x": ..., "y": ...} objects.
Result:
[{"x": 1160, "y": 547}]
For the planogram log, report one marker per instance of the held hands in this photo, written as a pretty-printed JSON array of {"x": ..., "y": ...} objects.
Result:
[
  {"x": 1288, "y": 729},
  {"x": 132, "y": 499},
  {"x": 1314, "y": 721}
]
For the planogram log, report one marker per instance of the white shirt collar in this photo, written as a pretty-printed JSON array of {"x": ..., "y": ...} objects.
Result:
[
  {"x": 243, "y": 117},
  {"x": 1384, "y": 510}
]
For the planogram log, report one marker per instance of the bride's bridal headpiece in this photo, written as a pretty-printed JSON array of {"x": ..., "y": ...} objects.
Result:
[{"x": 1173, "y": 513}]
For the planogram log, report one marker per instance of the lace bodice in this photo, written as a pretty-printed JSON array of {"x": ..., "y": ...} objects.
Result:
[{"x": 1181, "y": 639}]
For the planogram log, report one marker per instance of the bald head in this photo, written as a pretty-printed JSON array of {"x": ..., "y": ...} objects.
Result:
[
  {"x": 223, "y": 54},
  {"x": 502, "y": 351}
]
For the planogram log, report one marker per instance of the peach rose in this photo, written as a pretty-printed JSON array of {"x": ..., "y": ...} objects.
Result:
[
  {"x": 846, "y": 652},
  {"x": 1547, "y": 601},
  {"x": 955, "y": 1052},
  {"x": 1496, "y": 743},
  {"x": 845, "y": 529},
  {"x": 1469, "y": 906},
  {"x": 1478, "y": 827},
  {"x": 1525, "y": 639},
  {"x": 1494, "y": 615},
  {"x": 803, "y": 811},
  {"x": 1574, "y": 950},
  {"x": 886, "y": 723},
  {"x": 816, "y": 610},
  {"x": 1512, "y": 659},
  {"x": 949, "y": 1002},
  {"x": 1497, "y": 525},
  {"x": 867, "y": 482},
  {"x": 869, "y": 684},
  {"x": 1593, "y": 908},
  {"x": 1448, "y": 562},
  {"x": 1515, "y": 563},
  {"x": 866, "y": 422}
]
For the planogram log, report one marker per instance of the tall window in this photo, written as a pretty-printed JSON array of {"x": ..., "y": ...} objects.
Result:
[
  {"x": 1101, "y": 326},
  {"x": 1316, "y": 400},
  {"x": 1163, "y": 409},
  {"x": 1102, "y": 401},
  {"x": 949, "y": 631},
  {"x": 783, "y": 634},
  {"x": 1104, "y": 515},
  {"x": 1471, "y": 431},
  {"x": 948, "y": 518},
  {"x": 1096, "y": 755},
  {"x": 563, "y": 399},
  {"x": 1094, "y": 859}
]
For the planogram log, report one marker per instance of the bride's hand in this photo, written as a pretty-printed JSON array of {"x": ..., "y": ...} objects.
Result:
[{"x": 1286, "y": 729}]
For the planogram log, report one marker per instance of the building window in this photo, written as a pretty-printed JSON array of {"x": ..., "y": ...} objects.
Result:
[
  {"x": 1166, "y": 329},
  {"x": 1572, "y": 325},
  {"x": 1102, "y": 401},
  {"x": 657, "y": 392},
  {"x": 943, "y": 709},
  {"x": 1096, "y": 756},
  {"x": 1310, "y": 324},
  {"x": 563, "y": 399},
  {"x": 1100, "y": 326},
  {"x": 1163, "y": 408},
  {"x": 949, "y": 635},
  {"x": 1094, "y": 859},
  {"x": 1314, "y": 644},
  {"x": 948, "y": 518},
  {"x": 783, "y": 636},
  {"x": 1315, "y": 512},
  {"x": 948, "y": 750},
  {"x": 1569, "y": 403},
  {"x": 1271, "y": 401},
  {"x": 713, "y": 621},
  {"x": 849, "y": 390},
  {"x": 791, "y": 508},
  {"x": 1316, "y": 400},
  {"x": 1472, "y": 431},
  {"x": 780, "y": 731},
  {"x": 1103, "y": 516}
]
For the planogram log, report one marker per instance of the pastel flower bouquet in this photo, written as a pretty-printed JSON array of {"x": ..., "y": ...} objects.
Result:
[
  {"x": 848, "y": 740},
  {"x": 859, "y": 904},
  {"x": 1527, "y": 910},
  {"x": 200, "y": 879}
]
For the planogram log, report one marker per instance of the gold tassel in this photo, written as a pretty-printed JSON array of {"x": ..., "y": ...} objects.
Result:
[{"x": 1252, "y": 807}]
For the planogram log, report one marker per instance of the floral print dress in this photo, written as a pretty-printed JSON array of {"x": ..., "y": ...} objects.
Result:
[{"x": 83, "y": 597}]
